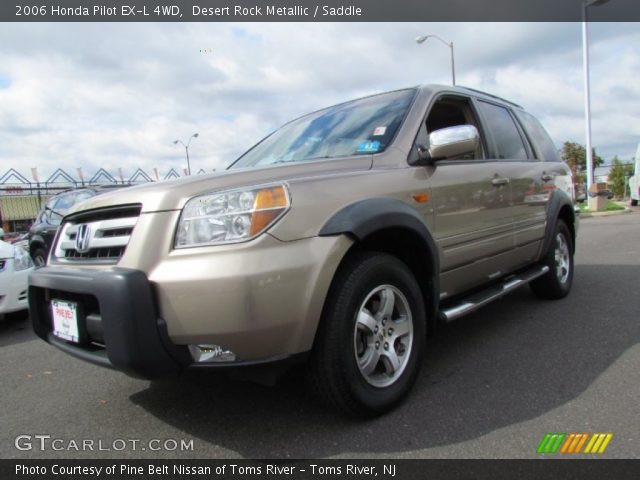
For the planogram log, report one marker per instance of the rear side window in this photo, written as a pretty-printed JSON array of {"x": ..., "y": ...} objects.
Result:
[
  {"x": 504, "y": 131},
  {"x": 542, "y": 143}
]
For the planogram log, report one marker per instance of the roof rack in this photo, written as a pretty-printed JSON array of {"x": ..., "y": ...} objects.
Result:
[{"x": 491, "y": 95}]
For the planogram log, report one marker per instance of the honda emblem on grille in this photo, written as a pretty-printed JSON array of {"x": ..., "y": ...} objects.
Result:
[{"x": 83, "y": 238}]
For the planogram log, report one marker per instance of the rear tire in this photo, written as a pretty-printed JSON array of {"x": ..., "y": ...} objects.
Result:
[
  {"x": 556, "y": 283},
  {"x": 634, "y": 203},
  {"x": 371, "y": 340}
]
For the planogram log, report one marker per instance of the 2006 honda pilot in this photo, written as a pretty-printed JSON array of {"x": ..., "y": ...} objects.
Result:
[{"x": 341, "y": 240}]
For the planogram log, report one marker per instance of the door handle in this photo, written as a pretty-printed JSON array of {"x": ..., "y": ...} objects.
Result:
[
  {"x": 546, "y": 177},
  {"x": 499, "y": 181}
]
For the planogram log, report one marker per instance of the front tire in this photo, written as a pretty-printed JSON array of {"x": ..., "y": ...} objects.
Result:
[
  {"x": 556, "y": 283},
  {"x": 371, "y": 340}
]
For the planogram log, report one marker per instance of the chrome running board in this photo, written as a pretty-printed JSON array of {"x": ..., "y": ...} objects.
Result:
[{"x": 480, "y": 299}]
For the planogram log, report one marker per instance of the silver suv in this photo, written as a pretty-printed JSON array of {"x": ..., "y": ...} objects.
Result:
[{"x": 340, "y": 240}]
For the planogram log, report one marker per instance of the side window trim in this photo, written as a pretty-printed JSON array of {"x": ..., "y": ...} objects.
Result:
[
  {"x": 489, "y": 133},
  {"x": 492, "y": 151},
  {"x": 531, "y": 154}
]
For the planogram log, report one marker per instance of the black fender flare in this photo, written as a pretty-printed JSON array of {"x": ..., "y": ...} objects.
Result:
[
  {"x": 557, "y": 202},
  {"x": 365, "y": 217}
]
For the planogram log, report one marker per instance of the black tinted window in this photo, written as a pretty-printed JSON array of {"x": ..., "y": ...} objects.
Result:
[
  {"x": 542, "y": 143},
  {"x": 505, "y": 133}
]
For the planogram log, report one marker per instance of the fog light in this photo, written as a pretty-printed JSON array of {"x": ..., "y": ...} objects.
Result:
[{"x": 211, "y": 353}]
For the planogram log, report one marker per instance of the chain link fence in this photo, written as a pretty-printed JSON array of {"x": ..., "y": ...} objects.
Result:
[{"x": 22, "y": 199}]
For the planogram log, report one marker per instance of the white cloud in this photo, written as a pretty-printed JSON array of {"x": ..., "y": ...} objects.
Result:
[{"x": 117, "y": 95}]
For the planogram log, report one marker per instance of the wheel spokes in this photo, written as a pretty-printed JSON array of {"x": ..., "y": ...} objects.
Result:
[
  {"x": 370, "y": 361},
  {"x": 401, "y": 328},
  {"x": 561, "y": 258},
  {"x": 383, "y": 335},
  {"x": 391, "y": 361},
  {"x": 387, "y": 302},
  {"x": 366, "y": 322}
]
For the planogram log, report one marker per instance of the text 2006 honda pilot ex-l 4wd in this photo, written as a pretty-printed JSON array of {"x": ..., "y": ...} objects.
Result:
[{"x": 340, "y": 240}]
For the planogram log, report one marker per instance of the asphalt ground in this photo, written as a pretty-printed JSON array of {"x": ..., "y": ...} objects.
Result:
[{"x": 492, "y": 385}]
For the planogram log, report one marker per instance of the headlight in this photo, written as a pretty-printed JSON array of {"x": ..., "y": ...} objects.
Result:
[
  {"x": 21, "y": 259},
  {"x": 230, "y": 217}
]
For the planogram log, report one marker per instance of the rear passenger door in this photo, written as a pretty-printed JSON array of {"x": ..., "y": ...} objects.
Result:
[{"x": 509, "y": 145}]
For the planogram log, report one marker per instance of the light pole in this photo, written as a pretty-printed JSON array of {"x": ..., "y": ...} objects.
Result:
[
  {"x": 587, "y": 93},
  {"x": 186, "y": 149},
  {"x": 423, "y": 38}
]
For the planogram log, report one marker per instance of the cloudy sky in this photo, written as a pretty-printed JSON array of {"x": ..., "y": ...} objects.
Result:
[{"x": 117, "y": 95}]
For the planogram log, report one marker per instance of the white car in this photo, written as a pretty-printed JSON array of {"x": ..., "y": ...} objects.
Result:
[{"x": 15, "y": 266}]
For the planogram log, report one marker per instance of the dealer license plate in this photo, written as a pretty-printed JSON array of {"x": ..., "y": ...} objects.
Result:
[{"x": 65, "y": 320}]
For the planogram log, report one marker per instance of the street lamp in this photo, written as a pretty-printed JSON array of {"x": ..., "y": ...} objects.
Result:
[
  {"x": 423, "y": 38},
  {"x": 186, "y": 149},
  {"x": 587, "y": 94}
]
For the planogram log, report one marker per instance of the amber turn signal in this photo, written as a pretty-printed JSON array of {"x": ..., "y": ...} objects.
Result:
[
  {"x": 269, "y": 204},
  {"x": 421, "y": 197}
]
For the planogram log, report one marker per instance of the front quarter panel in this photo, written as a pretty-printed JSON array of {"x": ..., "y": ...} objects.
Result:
[{"x": 314, "y": 201}]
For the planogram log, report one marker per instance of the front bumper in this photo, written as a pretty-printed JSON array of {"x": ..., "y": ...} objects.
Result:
[
  {"x": 261, "y": 301},
  {"x": 117, "y": 310},
  {"x": 13, "y": 289}
]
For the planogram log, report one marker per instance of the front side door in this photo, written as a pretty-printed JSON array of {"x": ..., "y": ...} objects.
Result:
[{"x": 471, "y": 198}]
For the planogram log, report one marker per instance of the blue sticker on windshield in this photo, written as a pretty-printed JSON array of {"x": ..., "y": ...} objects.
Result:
[{"x": 369, "y": 147}]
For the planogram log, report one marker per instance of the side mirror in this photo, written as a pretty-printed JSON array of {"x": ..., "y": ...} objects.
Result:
[
  {"x": 448, "y": 142},
  {"x": 452, "y": 142}
]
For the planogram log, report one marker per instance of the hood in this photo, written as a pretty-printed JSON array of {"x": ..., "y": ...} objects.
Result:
[
  {"x": 6, "y": 250},
  {"x": 173, "y": 194}
]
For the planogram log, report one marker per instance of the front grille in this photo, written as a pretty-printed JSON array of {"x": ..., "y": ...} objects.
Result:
[
  {"x": 97, "y": 253},
  {"x": 104, "y": 235},
  {"x": 118, "y": 232}
]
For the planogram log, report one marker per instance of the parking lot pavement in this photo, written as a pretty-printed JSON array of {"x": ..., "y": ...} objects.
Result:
[{"x": 492, "y": 384}]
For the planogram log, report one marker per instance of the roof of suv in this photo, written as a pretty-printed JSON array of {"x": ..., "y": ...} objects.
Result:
[{"x": 468, "y": 90}]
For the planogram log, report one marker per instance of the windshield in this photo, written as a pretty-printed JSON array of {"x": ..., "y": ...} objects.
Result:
[{"x": 359, "y": 127}]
